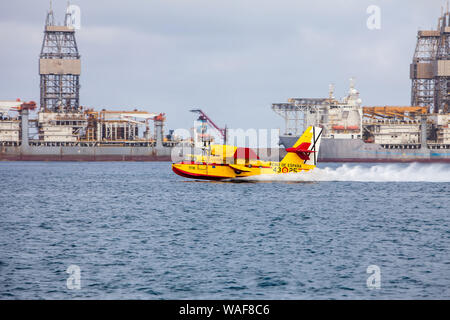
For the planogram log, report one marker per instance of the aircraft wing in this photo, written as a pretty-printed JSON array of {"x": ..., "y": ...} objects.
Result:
[{"x": 239, "y": 168}]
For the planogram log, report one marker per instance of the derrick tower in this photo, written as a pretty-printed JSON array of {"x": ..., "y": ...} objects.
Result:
[
  {"x": 59, "y": 67},
  {"x": 430, "y": 68}
]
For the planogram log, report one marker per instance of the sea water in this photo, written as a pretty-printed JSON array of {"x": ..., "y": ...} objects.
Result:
[{"x": 135, "y": 230}]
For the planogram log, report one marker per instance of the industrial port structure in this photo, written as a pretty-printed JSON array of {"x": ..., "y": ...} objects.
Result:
[
  {"x": 353, "y": 132},
  {"x": 67, "y": 131},
  {"x": 430, "y": 68}
]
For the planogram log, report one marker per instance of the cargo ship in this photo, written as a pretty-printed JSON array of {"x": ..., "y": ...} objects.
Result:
[
  {"x": 61, "y": 129},
  {"x": 81, "y": 136},
  {"x": 353, "y": 133}
]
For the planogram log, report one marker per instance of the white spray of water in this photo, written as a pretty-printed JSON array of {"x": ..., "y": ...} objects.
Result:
[{"x": 376, "y": 173}]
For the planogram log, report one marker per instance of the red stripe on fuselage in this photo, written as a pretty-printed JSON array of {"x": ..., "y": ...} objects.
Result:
[{"x": 197, "y": 175}]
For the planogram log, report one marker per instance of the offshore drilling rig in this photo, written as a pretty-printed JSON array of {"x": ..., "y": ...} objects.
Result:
[
  {"x": 59, "y": 67},
  {"x": 430, "y": 68}
]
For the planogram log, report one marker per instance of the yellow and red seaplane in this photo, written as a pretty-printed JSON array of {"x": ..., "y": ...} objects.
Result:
[{"x": 224, "y": 162}]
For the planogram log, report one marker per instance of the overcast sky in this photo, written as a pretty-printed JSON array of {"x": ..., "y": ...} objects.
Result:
[{"x": 232, "y": 58}]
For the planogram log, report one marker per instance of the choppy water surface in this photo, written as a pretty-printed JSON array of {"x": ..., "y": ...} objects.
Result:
[{"x": 136, "y": 230}]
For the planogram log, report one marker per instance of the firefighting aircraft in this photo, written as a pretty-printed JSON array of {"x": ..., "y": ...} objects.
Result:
[{"x": 224, "y": 162}]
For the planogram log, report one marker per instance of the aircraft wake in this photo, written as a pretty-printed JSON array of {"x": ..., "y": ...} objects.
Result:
[{"x": 414, "y": 172}]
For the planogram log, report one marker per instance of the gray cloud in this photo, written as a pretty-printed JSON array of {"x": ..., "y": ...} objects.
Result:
[{"x": 231, "y": 58}]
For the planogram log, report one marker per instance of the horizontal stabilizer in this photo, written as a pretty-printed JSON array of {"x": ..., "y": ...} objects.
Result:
[{"x": 302, "y": 150}]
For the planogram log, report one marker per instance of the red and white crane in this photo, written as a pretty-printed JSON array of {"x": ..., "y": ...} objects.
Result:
[
  {"x": 7, "y": 106},
  {"x": 204, "y": 117}
]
